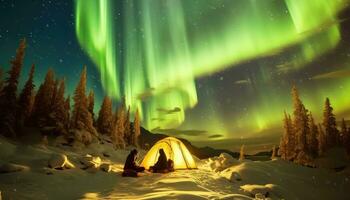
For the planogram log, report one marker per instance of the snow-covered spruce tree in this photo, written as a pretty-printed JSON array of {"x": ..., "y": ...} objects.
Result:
[
  {"x": 241, "y": 153},
  {"x": 282, "y": 150},
  {"x": 321, "y": 140},
  {"x": 104, "y": 121},
  {"x": 312, "y": 143},
  {"x": 50, "y": 123},
  {"x": 329, "y": 124},
  {"x": 25, "y": 100},
  {"x": 286, "y": 138},
  {"x": 119, "y": 127},
  {"x": 32, "y": 100},
  {"x": 82, "y": 121},
  {"x": 8, "y": 95},
  {"x": 300, "y": 126},
  {"x": 43, "y": 101},
  {"x": 58, "y": 113},
  {"x": 54, "y": 92},
  {"x": 290, "y": 140},
  {"x": 67, "y": 113},
  {"x": 136, "y": 129},
  {"x": 91, "y": 104},
  {"x": 127, "y": 132}
]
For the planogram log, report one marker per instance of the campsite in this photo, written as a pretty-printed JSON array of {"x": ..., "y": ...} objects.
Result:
[
  {"x": 174, "y": 99},
  {"x": 174, "y": 150},
  {"x": 221, "y": 177}
]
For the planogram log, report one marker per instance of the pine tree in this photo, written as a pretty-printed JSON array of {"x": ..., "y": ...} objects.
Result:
[
  {"x": 25, "y": 100},
  {"x": 329, "y": 124},
  {"x": 321, "y": 140},
  {"x": 241, "y": 153},
  {"x": 43, "y": 101},
  {"x": 136, "y": 129},
  {"x": 300, "y": 124},
  {"x": 286, "y": 138},
  {"x": 119, "y": 127},
  {"x": 32, "y": 100},
  {"x": 312, "y": 143},
  {"x": 91, "y": 104},
  {"x": 127, "y": 132},
  {"x": 282, "y": 151},
  {"x": 291, "y": 139},
  {"x": 54, "y": 93},
  {"x": 58, "y": 113},
  {"x": 81, "y": 117},
  {"x": 105, "y": 117},
  {"x": 8, "y": 97},
  {"x": 343, "y": 133},
  {"x": 67, "y": 113}
]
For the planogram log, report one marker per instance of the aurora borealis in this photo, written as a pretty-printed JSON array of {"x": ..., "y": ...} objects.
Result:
[{"x": 211, "y": 67}]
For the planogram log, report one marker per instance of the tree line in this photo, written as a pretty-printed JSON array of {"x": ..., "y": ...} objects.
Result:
[
  {"x": 304, "y": 140},
  {"x": 49, "y": 109}
]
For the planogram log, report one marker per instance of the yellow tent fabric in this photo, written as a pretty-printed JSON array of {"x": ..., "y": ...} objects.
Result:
[{"x": 174, "y": 150}]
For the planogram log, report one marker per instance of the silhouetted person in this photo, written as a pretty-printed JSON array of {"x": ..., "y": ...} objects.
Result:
[
  {"x": 162, "y": 163},
  {"x": 130, "y": 167}
]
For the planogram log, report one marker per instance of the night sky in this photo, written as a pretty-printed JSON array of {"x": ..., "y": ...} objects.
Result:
[{"x": 216, "y": 72}]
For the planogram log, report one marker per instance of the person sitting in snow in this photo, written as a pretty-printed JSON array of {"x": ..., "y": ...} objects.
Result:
[
  {"x": 161, "y": 165},
  {"x": 131, "y": 169}
]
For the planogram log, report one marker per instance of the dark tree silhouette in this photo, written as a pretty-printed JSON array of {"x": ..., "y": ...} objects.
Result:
[
  {"x": 127, "y": 132},
  {"x": 343, "y": 132},
  {"x": 287, "y": 143},
  {"x": 25, "y": 100},
  {"x": 43, "y": 101},
  {"x": 300, "y": 123},
  {"x": 302, "y": 140},
  {"x": 67, "y": 113},
  {"x": 136, "y": 129},
  {"x": 312, "y": 144},
  {"x": 54, "y": 92},
  {"x": 8, "y": 98},
  {"x": 81, "y": 117},
  {"x": 118, "y": 134},
  {"x": 282, "y": 151},
  {"x": 321, "y": 140},
  {"x": 91, "y": 104},
  {"x": 329, "y": 124},
  {"x": 58, "y": 113},
  {"x": 104, "y": 121}
]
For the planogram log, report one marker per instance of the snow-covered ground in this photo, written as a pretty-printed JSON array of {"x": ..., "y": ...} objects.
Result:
[{"x": 280, "y": 179}]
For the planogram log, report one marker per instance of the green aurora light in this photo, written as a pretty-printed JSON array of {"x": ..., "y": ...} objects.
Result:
[{"x": 151, "y": 52}]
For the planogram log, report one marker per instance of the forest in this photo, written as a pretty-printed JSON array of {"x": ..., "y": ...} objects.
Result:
[
  {"x": 49, "y": 110},
  {"x": 304, "y": 140}
]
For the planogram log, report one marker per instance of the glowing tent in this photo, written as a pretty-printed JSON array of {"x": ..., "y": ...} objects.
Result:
[{"x": 174, "y": 150}]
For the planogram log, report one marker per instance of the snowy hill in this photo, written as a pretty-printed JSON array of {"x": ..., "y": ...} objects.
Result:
[{"x": 242, "y": 180}]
